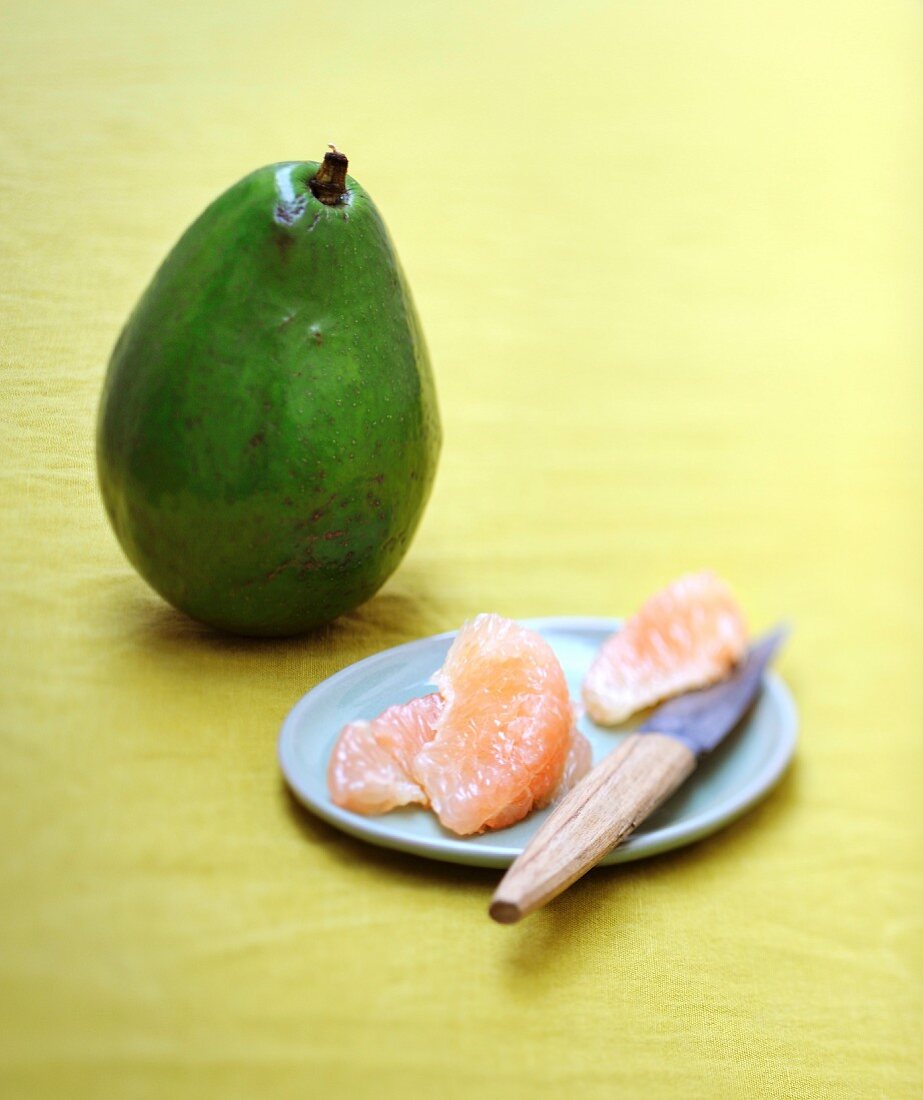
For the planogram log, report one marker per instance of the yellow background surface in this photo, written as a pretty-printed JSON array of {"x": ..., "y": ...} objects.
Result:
[{"x": 668, "y": 259}]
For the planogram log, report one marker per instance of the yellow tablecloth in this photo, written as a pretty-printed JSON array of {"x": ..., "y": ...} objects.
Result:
[{"x": 668, "y": 259}]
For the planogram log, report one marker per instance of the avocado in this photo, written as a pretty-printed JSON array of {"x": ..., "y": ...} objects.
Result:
[{"x": 268, "y": 431}]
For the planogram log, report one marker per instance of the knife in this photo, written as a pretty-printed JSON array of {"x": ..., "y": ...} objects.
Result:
[{"x": 609, "y": 803}]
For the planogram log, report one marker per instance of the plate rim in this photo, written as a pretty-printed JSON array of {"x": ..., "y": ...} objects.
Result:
[{"x": 457, "y": 850}]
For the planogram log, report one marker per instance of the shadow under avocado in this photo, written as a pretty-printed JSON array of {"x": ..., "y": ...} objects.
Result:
[{"x": 388, "y": 618}]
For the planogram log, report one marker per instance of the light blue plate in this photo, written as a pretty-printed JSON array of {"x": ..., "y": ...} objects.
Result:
[{"x": 728, "y": 782}]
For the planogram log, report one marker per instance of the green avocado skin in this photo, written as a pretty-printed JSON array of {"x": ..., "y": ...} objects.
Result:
[{"x": 268, "y": 431}]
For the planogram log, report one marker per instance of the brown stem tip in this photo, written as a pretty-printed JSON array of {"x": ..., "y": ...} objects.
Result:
[{"x": 329, "y": 185}]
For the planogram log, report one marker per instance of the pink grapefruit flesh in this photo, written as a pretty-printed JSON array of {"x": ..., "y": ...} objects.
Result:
[
  {"x": 688, "y": 635},
  {"x": 497, "y": 741}
]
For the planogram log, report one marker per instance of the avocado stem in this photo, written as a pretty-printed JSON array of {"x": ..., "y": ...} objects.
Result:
[{"x": 329, "y": 185}]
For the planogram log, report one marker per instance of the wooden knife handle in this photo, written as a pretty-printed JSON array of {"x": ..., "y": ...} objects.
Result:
[{"x": 606, "y": 806}]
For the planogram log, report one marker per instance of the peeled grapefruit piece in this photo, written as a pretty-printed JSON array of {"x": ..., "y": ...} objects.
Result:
[
  {"x": 498, "y": 740},
  {"x": 370, "y": 766},
  {"x": 687, "y": 636},
  {"x": 503, "y": 738},
  {"x": 577, "y": 763}
]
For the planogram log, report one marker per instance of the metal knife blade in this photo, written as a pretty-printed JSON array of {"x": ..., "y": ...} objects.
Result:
[{"x": 702, "y": 719}]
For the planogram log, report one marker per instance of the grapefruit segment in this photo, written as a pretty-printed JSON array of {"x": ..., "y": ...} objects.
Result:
[
  {"x": 502, "y": 740},
  {"x": 577, "y": 763},
  {"x": 688, "y": 635},
  {"x": 370, "y": 767}
]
